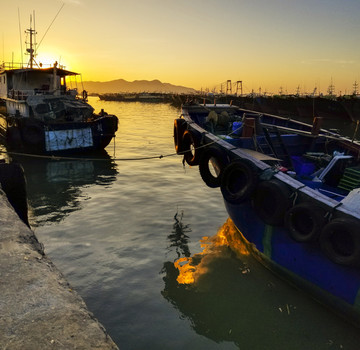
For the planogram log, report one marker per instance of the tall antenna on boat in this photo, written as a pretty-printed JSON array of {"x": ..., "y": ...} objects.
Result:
[
  {"x": 34, "y": 30},
  {"x": 30, "y": 50},
  {"x": 50, "y": 25},
  {"x": 22, "y": 62}
]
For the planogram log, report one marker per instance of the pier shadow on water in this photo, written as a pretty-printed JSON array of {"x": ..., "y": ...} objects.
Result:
[
  {"x": 54, "y": 185},
  {"x": 228, "y": 296}
]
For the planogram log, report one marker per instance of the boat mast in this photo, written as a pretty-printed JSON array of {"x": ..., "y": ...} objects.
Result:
[{"x": 30, "y": 49}]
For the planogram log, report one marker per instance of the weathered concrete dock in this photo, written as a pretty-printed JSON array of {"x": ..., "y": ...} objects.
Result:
[{"x": 38, "y": 308}]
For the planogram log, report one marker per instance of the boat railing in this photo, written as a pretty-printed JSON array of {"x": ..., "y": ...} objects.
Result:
[
  {"x": 12, "y": 65},
  {"x": 21, "y": 95},
  {"x": 21, "y": 65}
]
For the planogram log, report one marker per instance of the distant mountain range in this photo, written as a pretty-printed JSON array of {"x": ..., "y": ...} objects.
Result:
[{"x": 123, "y": 86}]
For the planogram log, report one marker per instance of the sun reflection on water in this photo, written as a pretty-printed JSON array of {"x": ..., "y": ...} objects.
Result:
[{"x": 228, "y": 236}]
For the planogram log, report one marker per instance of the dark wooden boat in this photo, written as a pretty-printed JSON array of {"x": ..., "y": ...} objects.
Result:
[{"x": 40, "y": 114}]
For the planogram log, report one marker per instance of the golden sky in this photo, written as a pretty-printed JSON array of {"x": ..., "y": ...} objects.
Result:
[{"x": 267, "y": 44}]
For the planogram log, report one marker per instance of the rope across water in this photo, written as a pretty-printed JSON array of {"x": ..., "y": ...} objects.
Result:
[{"x": 55, "y": 157}]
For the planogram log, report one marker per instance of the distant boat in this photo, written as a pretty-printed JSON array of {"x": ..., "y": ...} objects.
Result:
[
  {"x": 291, "y": 188},
  {"x": 146, "y": 97},
  {"x": 40, "y": 114},
  {"x": 141, "y": 97}
]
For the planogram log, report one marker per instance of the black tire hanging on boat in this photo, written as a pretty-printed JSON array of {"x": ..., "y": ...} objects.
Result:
[
  {"x": 305, "y": 221},
  {"x": 215, "y": 155},
  {"x": 13, "y": 183},
  {"x": 340, "y": 241},
  {"x": 191, "y": 144},
  {"x": 271, "y": 201},
  {"x": 239, "y": 180},
  {"x": 179, "y": 129}
]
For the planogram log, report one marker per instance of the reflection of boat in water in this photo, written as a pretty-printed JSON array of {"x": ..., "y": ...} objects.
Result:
[
  {"x": 41, "y": 115},
  {"x": 195, "y": 285},
  {"x": 292, "y": 190},
  {"x": 227, "y": 296},
  {"x": 54, "y": 185}
]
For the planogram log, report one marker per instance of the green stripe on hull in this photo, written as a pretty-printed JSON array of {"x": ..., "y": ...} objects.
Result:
[{"x": 267, "y": 241}]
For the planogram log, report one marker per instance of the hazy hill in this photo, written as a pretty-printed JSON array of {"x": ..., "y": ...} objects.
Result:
[{"x": 121, "y": 86}]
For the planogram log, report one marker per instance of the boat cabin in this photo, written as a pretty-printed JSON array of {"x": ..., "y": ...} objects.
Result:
[
  {"x": 18, "y": 84},
  {"x": 39, "y": 93}
]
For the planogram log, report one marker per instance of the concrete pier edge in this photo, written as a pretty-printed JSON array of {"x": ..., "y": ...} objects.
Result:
[{"x": 38, "y": 307}]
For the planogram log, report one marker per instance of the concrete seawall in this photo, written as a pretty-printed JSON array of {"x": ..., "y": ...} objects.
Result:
[{"x": 38, "y": 308}]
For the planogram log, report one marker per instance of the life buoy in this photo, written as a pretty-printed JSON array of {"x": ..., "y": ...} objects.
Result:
[
  {"x": 239, "y": 180},
  {"x": 340, "y": 241},
  {"x": 85, "y": 95},
  {"x": 211, "y": 166},
  {"x": 271, "y": 201},
  {"x": 191, "y": 144},
  {"x": 305, "y": 221},
  {"x": 13, "y": 183},
  {"x": 179, "y": 129}
]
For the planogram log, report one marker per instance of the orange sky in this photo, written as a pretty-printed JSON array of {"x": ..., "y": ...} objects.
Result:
[{"x": 266, "y": 44}]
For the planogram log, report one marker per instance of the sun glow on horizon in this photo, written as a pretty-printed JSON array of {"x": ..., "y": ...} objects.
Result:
[
  {"x": 48, "y": 60},
  {"x": 288, "y": 47}
]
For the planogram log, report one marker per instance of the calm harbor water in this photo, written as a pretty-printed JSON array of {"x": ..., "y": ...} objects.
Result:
[{"x": 124, "y": 233}]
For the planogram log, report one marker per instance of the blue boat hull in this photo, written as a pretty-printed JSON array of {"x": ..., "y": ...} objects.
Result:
[
  {"x": 303, "y": 264},
  {"x": 266, "y": 202}
]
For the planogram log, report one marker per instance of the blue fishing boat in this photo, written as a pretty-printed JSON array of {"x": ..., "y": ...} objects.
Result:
[{"x": 292, "y": 189}]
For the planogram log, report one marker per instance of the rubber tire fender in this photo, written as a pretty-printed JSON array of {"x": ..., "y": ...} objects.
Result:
[
  {"x": 239, "y": 180},
  {"x": 13, "y": 183},
  {"x": 179, "y": 129},
  {"x": 340, "y": 241},
  {"x": 271, "y": 201},
  {"x": 191, "y": 138},
  {"x": 219, "y": 157},
  {"x": 305, "y": 221}
]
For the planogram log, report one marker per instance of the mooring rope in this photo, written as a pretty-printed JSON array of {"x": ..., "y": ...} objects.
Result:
[{"x": 55, "y": 157}]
